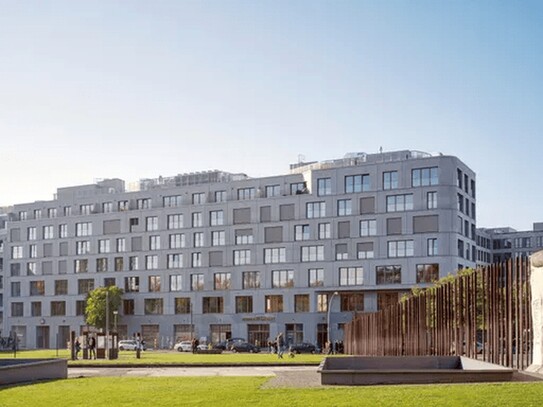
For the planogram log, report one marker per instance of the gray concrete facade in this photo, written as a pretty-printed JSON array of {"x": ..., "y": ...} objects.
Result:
[{"x": 369, "y": 226}]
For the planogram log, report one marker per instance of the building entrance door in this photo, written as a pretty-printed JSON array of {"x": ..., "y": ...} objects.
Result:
[{"x": 42, "y": 337}]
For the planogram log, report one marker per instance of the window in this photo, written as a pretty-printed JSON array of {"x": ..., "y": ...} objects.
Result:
[
  {"x": 365, "y": 250},
  {"x": 196, "y": 259},
  {"x": 390, "y": 180},
  {"x": 197, "y": 282},
  {"x": 103, "y": 246},
  {"x": 460, "y": 200},
  {"x": 37, "y": 213},
  {"x": 298, "y": 188},
  {"x": 182, "y": 305},
  {"x": 388, "y": 274},
  {"x": 83, "y": 229},
  {"x": 222, "y": 281},
  {"x": 431, "y": 200},
  {"x": 198, "y": 198},
  {"x": 324, "y": 186},
  {"x": 175, "y": 221},
  {"x": 244, "y": 304},
  {"x": 62, "y": 231},
  {"x": 17, "y": 309},
  {"x": 101, "y": 264},
  {"x": 86, "y": 209},
  {"x": 107, "y": 207},
  {"x": 352, "y": 302},
  {"x": 427, "y": 273},
  {"x": 218, "y": 238},
  {"x": 273, "y": 303},
  {"x": 132, "y": 284},
  {"x": 273, "y": 190},
  {"x": 151, "y": 262},
  {"x": 61, "y": 287},
  {"x": 397, "y": 203},
  {"x": 81, "y": 266},
  {"x": 216, "y": 218},
  {"x": 244, "y": 236},
  {"x": 322, "y": 302},
  {"x": 198, "y": 239},
  {"x": 197, "y": 220},
  {"x": 351, "y": 276},
  {"x": 119, "y": 264},
  {"x": 400, "y": 248},
  {"x": 31, "y": 269},
  {"x": 177, "y": 241},
  {"x": 324, "y": 231},
  {"x": 251, "y": 279},
  {"x": 422, "y": 177},
  {"x": 128, "y": 307},
  {"x": 151, "y": 223},
  {"x": 175, "y": 261},
  {"x": 144, "y": 203},
  {"x": 82, "y": 247},
  {"x": 31, "y": 233},
  {"x": 37, "y": 287},
  {"x": 84, "y": 286},
  {"x": 58, "y": 308},
  {"x": 212, "y": 305},
  {"x": 431, "y": 247},
  {"x": 315, "y": 209},
  {"x": 176, "y": 283},
  {"x": 154, "y": 283},
  {"x": 242, "y": 257},
  {"x": 23, "y": 215},
  {"x": 312, "y": 253},
  {"x": 122, "y": 206},
  {"x": 344, "y": 207},
  {"x": 316, "y": 277},
  {"x": 133, "y": 263},
  {"x": 35, "y": 309},
  {"x": 33, "y": 251},
  {"x": 246, "y": 193},
  {"x": 357, "y": 183},
  {"x": 301, "y": 232},
  {"x": 282, "y": 279},
  {"x": 220, "y": 196},
  {"x": 368, "y": 227},
  {"x": 172, "y": 201},
  {"x": 301, "y": 303},
  {"x": 154, "y": 306},
  {"x": 275, "y": 255},
  {"x": 121, "y": 245}
]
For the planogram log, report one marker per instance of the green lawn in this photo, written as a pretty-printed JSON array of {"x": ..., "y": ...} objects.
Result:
[
  {"x": 241, "y": 391},
  {"x": 172, "y": 357}
]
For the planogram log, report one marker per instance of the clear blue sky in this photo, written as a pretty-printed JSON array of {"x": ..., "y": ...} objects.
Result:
[{"x": 135, "y": 89}]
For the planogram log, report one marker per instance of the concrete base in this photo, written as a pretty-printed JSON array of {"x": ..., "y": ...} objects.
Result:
[
  {"x": 361, "y": 370},
  {"x": 14, "y": 371},
  {"x": 535, "y": 369}
]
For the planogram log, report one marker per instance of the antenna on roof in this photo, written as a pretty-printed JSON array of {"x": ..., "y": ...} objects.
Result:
[
  {"x": 381, "y": 150},
  {"x": 301, "y": 158}
]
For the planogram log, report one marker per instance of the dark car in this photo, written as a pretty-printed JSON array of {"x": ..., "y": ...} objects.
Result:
[
  {"x": 303, "y": 348},
  {"x": 245, "y": 347},
  {"x": 227, "y": 344}
]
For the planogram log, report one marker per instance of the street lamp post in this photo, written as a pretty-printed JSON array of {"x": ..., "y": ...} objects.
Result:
[
  {"x": 115, "y": 313},
  {"x": 328, "y": 318},
  {"x": 107, "y": 324}
]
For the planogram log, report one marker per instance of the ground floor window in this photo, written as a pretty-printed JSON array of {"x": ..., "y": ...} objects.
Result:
[
  {"x": 183, "y": 332},
  {"x": 294, "y": 333},
  {"x": 220, "y": 332},
  {"x": 258, "y": 334}
]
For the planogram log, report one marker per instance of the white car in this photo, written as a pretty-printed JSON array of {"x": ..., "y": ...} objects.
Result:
[
  {"x": 128, "y": 344},
  {"x": 183, "y": 346}
]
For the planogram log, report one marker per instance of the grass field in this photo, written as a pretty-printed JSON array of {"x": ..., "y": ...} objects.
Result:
[
  {"x": 172, "y": 357},
  {"x": 241, "y": 391}
]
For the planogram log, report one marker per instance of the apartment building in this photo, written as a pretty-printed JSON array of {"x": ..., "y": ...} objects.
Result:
[{"x": 217, "y": 255}]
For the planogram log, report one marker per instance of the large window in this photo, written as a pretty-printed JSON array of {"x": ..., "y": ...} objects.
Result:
[
  {"x": 351, "y": 276},
  {"x": 182, "y": 305},
  {"x": 246, "y": 193},
  {"x": 151, "y": 223},
  {"x": 61, "y": 287},
  {"x": 273, "y": 303},
  {"x": 175, "y": 260},
  {"x": 242, "y": 257},
  {"x": 388, "y": 274},
  {"x": 197, "y": 220},
  {"x": 244, "y": 304},
  {"x": 83, "y": 229},
  {"x": 427, "y": 273},
  {"x": 397, "y": 203},
  {"x": 151, "y": 262},
  {"x": 357, "y": 183},
  {"x": 324, "y": 231},
  {"x": 251, "y": 280},
  {"x": 37, "y": 287},
  {"x": 177, "y": 241},
  {"x": 198, "y": 239},
  {"x": 172, "y": 201},
  {"x": 85, "y": 286},
  {"x": 175, "y": 221},
  {"x": 316, "y": 277},
  {"x": 400, "y": 248},
  {"x": 275, "y": 255},
  {"x": 176, "y": 282},
  {"x": 315, "y": 210},
  {"x": 222, "y": 281},
  {"x": 301, "y": 303},
  {"x": 198, "y": 198},
  {"x": 352, "y": 302},
  {"x": 81, "y": 265},
  {"x": 154, "y": 242},
  {"x": 312, "y": 253},
  {"x": 58, "y": 308},
  {"x": 220, "y": 196},
  {"x": 431, "y": 200},
  {"x": 48, "y": 232},
  {"x": 431, "y": 247},
  {"x": 301, "y": 232},
  {"x": 82, "y": 247},
  {"x": 154, "y": 283},
  {"x": 197, "y": 282},
  {"x": 273, "y": 190},
  {"x": 424, "y": 177},
  {"x": 282, "y": 279},
  {"x": 154, "y": 306},
  {"x": 390, "y": 180},
  {"x": 144, "y": 203},
  {"x": 324, "y": 186},
  {"x": 216, "y": 218},
  {"x": 132, "y": 284},
  {"x": 368, "y": 227},
  {"x": 196, "y": 259},
  {"x": 212, "y": 305},
  {"x": 218, "y": 238},
  {"x": 344, "y": 207},
  {"x": 101, "y": 264}
]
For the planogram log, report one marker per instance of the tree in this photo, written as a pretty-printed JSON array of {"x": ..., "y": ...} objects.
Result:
[{"x": 95, "y": 310}]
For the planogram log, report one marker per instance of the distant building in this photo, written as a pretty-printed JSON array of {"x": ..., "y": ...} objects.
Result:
[{"x": 224, "y": 255}]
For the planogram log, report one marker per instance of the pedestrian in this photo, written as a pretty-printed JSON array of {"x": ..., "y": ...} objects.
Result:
[
  {"x": 280, "y": 345},
  {"x": 193, "y": 345},
  {"x": 92, "y": 347},
  {"x": 77, "y": 345}
]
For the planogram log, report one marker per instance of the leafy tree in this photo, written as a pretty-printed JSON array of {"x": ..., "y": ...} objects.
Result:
[{"x": 95, "y": 310}]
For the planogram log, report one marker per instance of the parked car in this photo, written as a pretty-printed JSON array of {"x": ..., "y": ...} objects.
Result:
[
  {"x": 227, "y": 344},
  {"x": 130, "y": 344},
  {"x": 244, "y": 347},
  {"x": 303, "y": 347},
  {"x": 183, "y": 346}
]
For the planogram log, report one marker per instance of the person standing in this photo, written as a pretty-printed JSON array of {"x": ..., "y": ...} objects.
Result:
[
  {"x": 77, "y": 348},
  {"x": 92, "y": 347},
  {"x": 280, "y": 345}
]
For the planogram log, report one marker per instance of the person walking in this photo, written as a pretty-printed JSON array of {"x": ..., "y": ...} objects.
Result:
[
  {"x": 77, "y": 345},
  {"x": 280, "y": 345}
]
